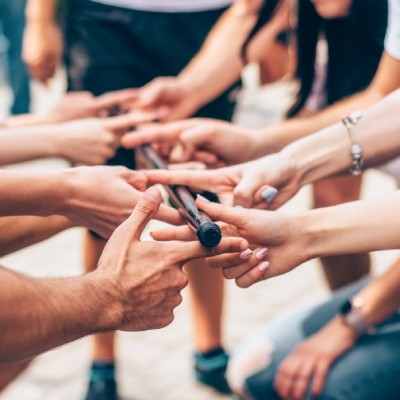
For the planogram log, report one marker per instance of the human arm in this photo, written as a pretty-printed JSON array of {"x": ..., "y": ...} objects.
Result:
[
  {"x": 215, "y": 68},
  {"x": 88, "y": 141},
  {"x": 305, "y": 161},
  {"x": 293, "y": 239},
  {"x": 43, "y": 43},
  {"x": 211, "y": 135},
  {"x": 311, "y": 360},
  {"x": 99, "y": 198},
  {"x": 22, "y": 231},
  {"x": 273, "y": 138},
  {"x": 136, "y": 287}
]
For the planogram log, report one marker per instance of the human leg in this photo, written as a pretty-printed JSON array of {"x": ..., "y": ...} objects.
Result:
[
  {"x": 344, "y": 269},
  {"x": 253, "y": 365}
]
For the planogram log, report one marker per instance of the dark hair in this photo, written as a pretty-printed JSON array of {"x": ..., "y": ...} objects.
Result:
[
  {"x": 355, "y": 46},
  {"x": 264, "y": 15}
]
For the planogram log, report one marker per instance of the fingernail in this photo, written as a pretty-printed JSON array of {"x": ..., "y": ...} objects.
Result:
[
  {"x": 245, "y": 255},
  {"x": 269, "y": 194},
  {"x": 263, "y": 266},
  {"x": 202, "y": 198},
  {"x": 261, "y": 253},
  {"x": 238, "y": 206}
]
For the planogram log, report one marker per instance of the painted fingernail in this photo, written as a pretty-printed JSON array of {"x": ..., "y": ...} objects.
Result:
[
  {"x": 261, "y": 253},
  {"x": 245, "y": 255},
  {"x": 238, "y": 206},
  {"x": 263, "y": 266},
  {"x": 202, "y": 198},
  {"x": 269, "y": 194}
]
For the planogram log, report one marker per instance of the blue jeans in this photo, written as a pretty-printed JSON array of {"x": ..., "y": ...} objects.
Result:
[
  {"x": 370, "y": 371},
  {"x": 12, "y": 23}
]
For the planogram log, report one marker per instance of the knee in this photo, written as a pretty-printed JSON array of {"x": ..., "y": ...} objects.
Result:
[{"x": 255, "y": 357}]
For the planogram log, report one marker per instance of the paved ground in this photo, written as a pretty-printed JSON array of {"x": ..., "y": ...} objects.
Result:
[{"x": 157, "y": 364}]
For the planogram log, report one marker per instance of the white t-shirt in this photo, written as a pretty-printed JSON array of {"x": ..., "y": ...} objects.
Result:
[
  {"x": 392, "y": 40},
  {"x": 168, "y": 5}
]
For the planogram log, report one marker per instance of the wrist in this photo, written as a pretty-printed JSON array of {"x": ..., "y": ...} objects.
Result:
[
  {"x": 109, "y": 302},
  {"x": 195, "y": 90},
  {"x": 319, "y": 155},
  {"x": 343, "y": 330}
]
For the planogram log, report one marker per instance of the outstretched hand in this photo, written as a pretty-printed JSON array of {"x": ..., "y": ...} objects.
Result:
[
  {"x": 148, "y": 275},
  {"x": 265, "y": 183},
  {"x": 277, "y": 238},
  {"x": 101, "y": 198},
  {"x": 203, "y": 139}
]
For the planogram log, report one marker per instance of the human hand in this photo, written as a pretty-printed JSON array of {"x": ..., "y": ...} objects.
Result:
[
  {"x": 42, "y": 49},
  {"x": 264, "y": 183},
  {"x": 101, "y": 198},
  {"x": 169, "y": 97},
  {"x": 76, "y": 105},
  {"x": 203, "y": 139},
  {"x": 91, "y": 141},
  {"x": 278, "y": 239},
  {"x": 309, "y": 363},
  {"x": 147, "y": 276}
]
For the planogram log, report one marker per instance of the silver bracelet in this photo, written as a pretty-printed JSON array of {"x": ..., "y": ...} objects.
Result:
[{"x": 357, "y": 162}]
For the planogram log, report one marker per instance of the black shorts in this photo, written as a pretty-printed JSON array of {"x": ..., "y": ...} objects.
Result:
[{"x": 110, "y": 48}]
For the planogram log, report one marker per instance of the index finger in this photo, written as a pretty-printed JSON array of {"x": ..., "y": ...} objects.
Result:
[
  {"x": 156, "y": 133},
  {"x": 194, "y": 250},
  {"x": 115, "y": 98},
  {"x": 219, "y": 212},
  {"x": 128, "y": 121}
]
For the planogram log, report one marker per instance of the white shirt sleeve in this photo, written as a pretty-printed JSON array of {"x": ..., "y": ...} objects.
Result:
[{"x": 392, "y": 40}]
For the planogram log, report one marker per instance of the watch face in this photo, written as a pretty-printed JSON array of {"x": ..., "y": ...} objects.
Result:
[{"x": 345, "y": 307}]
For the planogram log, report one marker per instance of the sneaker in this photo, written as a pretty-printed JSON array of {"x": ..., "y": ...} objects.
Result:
[
  {"x": 210, "y": 369},
  {"x": 102, "y": 385}
]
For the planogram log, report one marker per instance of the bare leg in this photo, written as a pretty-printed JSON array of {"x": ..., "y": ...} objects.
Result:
[
  {"x": 344, "y": 269},
  {"x": 207, "y": 295},
  {"x": 103, "y": 344},
  {"x": 207, "y": 291}
]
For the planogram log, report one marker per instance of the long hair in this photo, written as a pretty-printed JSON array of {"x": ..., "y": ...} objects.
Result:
[{"x": 355, "y": 46}]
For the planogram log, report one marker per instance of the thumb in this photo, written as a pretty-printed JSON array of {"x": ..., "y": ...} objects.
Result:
[
  {"x": 151, "y": 94},
  {"x": 128, "y": 121},
  {"x": 219, "y": 212},
  {"x": 244, "y": 192},
  {"x": 146, "y": 208}
]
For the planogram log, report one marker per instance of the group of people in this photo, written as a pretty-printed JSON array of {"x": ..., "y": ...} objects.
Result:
[{"x": 156, "y": 64}]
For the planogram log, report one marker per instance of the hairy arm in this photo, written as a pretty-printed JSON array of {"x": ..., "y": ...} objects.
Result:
[{"x": 41, "y": 314}]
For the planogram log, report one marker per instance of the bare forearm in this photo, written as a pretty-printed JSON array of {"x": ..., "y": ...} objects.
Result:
[
  {"x": 219, "y": 64},
  {"x": 27, "y": 143},
  {"x": 355, "y": 227},
  {"x": 37, "y": 314},
  {"x": 39, "y": 194},
  {"x": 41, "y": 11},
  {"x": 19, "y": 121},
  {"x": 328, "y": 151},
  {"x": 19, "y": 232},
  {"x": 382, "y": 297},
  {"x": 273, "y": 138}
]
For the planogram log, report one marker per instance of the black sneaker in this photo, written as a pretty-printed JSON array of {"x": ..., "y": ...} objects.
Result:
[
  {"x": 210, "y": 369},
  {"x": 102, "y": 385}
]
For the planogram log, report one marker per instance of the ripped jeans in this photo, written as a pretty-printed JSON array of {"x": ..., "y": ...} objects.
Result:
[{"x": 370, "y": 371}]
